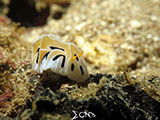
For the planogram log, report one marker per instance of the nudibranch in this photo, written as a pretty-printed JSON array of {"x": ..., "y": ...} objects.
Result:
[{"x": 66, "y": 59}]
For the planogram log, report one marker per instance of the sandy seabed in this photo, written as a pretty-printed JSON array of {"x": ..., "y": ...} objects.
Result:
[{"x": 118, "y": 37}]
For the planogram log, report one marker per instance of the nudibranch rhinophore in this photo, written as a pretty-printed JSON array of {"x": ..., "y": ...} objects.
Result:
[{"x": 48, "y": 52}]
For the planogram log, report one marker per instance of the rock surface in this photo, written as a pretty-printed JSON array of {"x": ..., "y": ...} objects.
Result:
[{"x": 112, "y": 101}]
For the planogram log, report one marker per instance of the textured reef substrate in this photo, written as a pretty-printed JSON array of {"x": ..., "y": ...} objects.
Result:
[{"x": 112, "y": 100}]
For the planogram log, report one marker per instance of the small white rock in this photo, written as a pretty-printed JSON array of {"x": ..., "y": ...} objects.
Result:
[
  {"x": 153, "y": 18},
  {"x": 135, "y": 24},
  {"x": 68, "y": 27},
  {"x": 80, "y": 26},
  {"x": 149, "y": 36},
  {"x": 76, "y": 18},
  {"x": 156, "y": 38}
]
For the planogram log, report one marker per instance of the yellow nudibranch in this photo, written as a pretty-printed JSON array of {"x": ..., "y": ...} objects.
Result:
[{"x": 48, "y": 52}]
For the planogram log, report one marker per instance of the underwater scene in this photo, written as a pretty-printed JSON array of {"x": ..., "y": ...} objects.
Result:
[{"x": 79, "y": 60}]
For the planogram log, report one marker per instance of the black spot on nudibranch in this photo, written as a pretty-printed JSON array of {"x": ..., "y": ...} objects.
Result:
[
  {"x": 63, "y": 61},
  {"x": 37, "y": 58},
  {"x": 38, "y": 49},
  {"x": 38, "y": 55},
  {"x": 52, "y": 47},
  {"x": 72, "y": 67},
  {"x": 81, "y": 68},
  {"x": 76, "y": 57},
  {"x": 46, "y": 55}
]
